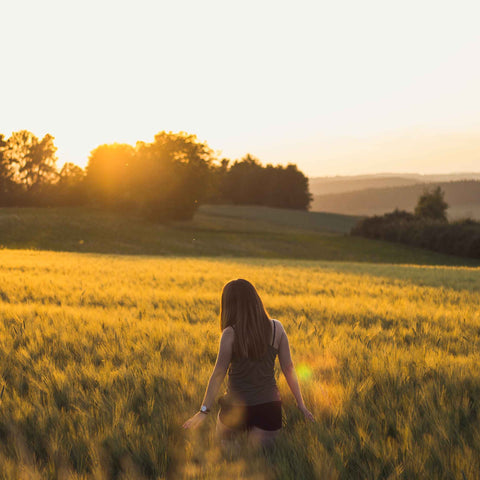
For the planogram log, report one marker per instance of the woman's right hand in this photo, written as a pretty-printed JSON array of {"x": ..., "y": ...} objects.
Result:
[{"x": 307, "y": 413}]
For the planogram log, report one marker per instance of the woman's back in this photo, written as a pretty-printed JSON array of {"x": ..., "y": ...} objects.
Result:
[
  {"x": 252, "y": 382},
  {"x": 256, "y": 405}
]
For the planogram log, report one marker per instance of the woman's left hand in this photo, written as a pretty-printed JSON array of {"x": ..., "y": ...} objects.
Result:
[{"x": 195, "y": 421}]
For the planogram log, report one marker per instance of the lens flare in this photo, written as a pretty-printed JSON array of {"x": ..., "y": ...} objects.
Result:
[
  {"x": 234, "y": 416},
  {"x": 304, "y": 372}
]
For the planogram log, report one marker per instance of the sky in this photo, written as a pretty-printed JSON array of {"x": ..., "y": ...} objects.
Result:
[{"x": 337, "y": 87}]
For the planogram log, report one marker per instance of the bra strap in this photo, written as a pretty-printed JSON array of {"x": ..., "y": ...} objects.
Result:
[{"x": 273, "y": 340}]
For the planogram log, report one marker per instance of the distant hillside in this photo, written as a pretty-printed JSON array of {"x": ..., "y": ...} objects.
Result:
[
  {"x": 215, "y": 231},
  {"x": 341, "y": 184},
  {"x": 462, "y": 196}
]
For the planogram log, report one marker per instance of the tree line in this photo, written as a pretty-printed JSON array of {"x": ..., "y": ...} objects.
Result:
[
  {"x": 160, "y": 180},
  {"x": 427, "y": 227}
]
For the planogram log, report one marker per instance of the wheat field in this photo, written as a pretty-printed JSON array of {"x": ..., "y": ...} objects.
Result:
[{"x": 105, "y": 356}]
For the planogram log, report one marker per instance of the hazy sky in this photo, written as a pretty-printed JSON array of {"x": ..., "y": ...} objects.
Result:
[{"x": 338, "y": 87}]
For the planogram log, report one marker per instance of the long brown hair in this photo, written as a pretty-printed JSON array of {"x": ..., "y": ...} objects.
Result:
[{"x": 242, "y": 308}]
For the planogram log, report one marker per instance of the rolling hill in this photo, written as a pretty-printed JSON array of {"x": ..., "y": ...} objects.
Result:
[
  {"x": 216, "y": 231},
  {"x": 463, "y": 198},
  {"x": 341, "y": 184}
]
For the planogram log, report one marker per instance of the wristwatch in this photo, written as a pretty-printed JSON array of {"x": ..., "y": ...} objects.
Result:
[{"x": 204, "y": 409}]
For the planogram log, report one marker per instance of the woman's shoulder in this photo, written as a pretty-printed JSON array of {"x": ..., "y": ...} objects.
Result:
[
  {"x": 228, "y": 336},
  {"x": 277, "y": 323},
  {"x": 279, "y": 330},
  {"x": 229, "y": 330}
]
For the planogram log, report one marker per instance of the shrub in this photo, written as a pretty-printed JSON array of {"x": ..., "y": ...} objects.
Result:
[{"x": 456, "y": 238}]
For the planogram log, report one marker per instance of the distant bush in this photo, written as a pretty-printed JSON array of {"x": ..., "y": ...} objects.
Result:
[{"x": 461, "y": 237}]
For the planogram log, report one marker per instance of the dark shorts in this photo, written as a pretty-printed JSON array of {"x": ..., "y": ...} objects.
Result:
[{"x": 267, "y": 416}]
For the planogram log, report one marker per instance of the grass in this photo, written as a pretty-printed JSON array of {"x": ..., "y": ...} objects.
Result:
[
  {"x": 105, "y": 356},
  {"x": 215, "y": 231},
  {"x": 280, "y": 217}
]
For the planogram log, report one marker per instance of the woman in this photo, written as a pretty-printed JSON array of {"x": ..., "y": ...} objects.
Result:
[{"x": 249, "y": 344}]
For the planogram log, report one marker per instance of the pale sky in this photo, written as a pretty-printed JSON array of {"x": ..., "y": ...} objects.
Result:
[{"x": 338, "y": 87}]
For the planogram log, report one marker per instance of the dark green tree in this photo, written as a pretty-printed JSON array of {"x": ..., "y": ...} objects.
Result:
[
  {"x": 287, "y": 187},
  {"x": 431, "y": 205},
  {"x": 245, "y": 182},
  {"x": 248, "y": 182}
]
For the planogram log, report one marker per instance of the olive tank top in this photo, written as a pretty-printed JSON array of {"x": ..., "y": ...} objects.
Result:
[{"x": 251, "y": 382}]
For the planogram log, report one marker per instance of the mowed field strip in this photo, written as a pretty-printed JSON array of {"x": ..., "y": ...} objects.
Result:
[{"x": 105, "y": 356}]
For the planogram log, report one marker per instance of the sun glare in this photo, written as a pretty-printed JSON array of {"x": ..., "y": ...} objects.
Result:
[{"x": 287, "y": 81}]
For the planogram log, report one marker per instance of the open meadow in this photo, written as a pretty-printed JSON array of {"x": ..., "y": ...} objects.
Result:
[
  {"x": 105, "y": 356},
  {"x": 153, "y": 152}
]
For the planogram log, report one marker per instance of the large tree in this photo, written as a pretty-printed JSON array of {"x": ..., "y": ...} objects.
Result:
[
  {"x": 172, "y": 175},
  {"x": 165, "y": 179},
  {"x": 32, "y": 161},
  {"x": 109, "y": 172},
  {"x": 245, "y": 181}
]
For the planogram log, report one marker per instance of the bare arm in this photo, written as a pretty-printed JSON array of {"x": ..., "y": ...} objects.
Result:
[
  {"x": 216, "y": 378},
  {"x": 221, "y": 366},
  {"x": 288, "y": 370}
]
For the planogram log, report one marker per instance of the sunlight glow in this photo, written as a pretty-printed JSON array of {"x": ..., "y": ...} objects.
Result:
[
  {"x": 304, "y": 372},
  {"x": 336, "y": 87}
]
